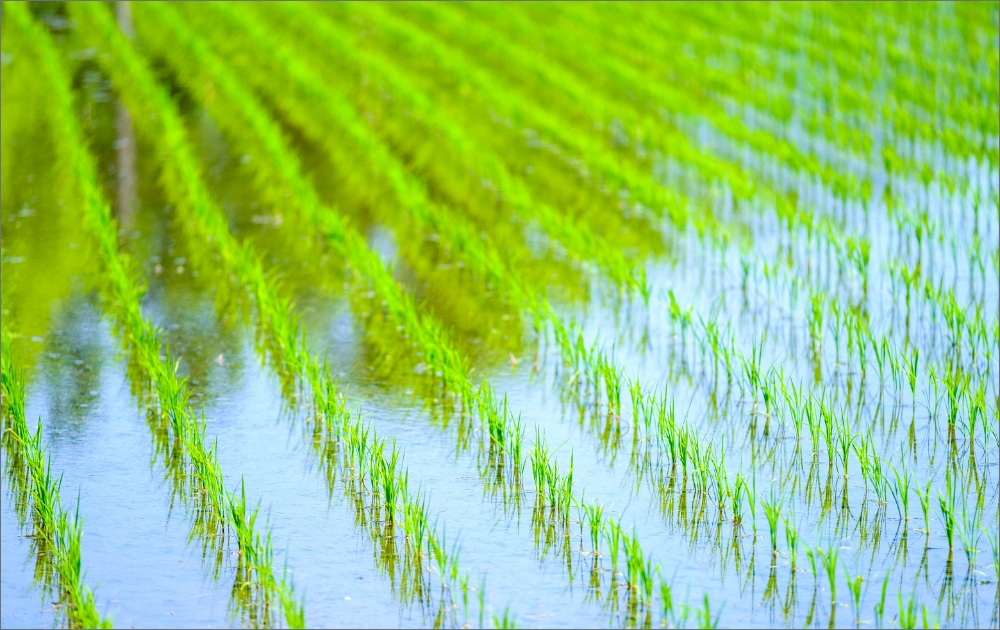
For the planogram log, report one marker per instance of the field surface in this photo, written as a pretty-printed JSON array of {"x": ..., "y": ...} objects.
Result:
[{"x": 481, "y": 315}]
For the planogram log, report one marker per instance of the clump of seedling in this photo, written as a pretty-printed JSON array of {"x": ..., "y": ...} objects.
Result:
[{"x": 56, "y": 531}]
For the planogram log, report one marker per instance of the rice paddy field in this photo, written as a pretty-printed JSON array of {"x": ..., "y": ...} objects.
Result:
[{"x": 481, "y": 315}]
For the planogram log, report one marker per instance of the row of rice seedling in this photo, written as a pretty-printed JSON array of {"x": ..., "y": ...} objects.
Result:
[
  {"x": 290, "y": 353},
  {"x": 934, "y": 357},
  {"x": 546, "y": 473},
  {"x": 224, "y": 509},
  {"x": 579, "y": 240},
  {"x": 912, "y": 106},
  {"x": 833, "y": 437},
  {"x": 962, "y": 68},
  {"x": 846, "y": 124},
  {"x": 54, "y": 531},
  {"x": 568, "y": 138},
  {"x": 548, "y": 479},
  {"x": 553, "y": 489},
  {"x": 899, "y": 483},
  {"x": 739, "y": 88},
  {"x": 634, "y": 115}
]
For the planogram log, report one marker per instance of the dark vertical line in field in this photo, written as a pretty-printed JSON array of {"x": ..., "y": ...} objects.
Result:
[{"x": 127, "y": 198}]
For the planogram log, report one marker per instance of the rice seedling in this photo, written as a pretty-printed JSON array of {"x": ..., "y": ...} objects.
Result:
[
  {"x": 666, "y": 601},
  {"x": 446, "y": 191},
  {"x": 704, "y": 615},
  {"x": 947, "y": 507},
  {"x": 772, "y": 510},
  {"x": 51, "y": 523},
  {"x": 992, "y": 537},
  {"x": 924, "y": 497},
  {"x": 854, "y": 585},
  {"x": 901, "y": 491},
  {"x": 792, "y": 540},
  {"x": 969, "y": 532},
  {"x": 907, "y": 613}
]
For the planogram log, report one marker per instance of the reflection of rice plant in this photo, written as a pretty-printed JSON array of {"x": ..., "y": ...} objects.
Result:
[
  {"x": 992, "y": 536},
  {"x": 481, "y": 596}
]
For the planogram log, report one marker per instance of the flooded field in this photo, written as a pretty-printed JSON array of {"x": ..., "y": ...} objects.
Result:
[{"x": 469, "y": 315}]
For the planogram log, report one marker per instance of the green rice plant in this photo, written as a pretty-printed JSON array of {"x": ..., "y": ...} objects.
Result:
[
  {"x": 381, "y": 471},
  {"x": 828, "y": 429},
  {"x": 901, "y": 490},
  {"x": 613, "y": 536},
  {"x": 464, "y": 584},
  {"x": 912, "y": 366},
  {"x": 880, "y": 483},
  {"x": 845, "y": 441},
  {"x": 880, "y": 606},
  {"x": 924, "y": 498},
  {"x": 292, "y": 608},
  {"x": 772, "y": 510},
  {"x": 992, "y": 537},
  {"x": 594, "y": 513},
  {"x": 738, "y": 496},
  {"x": 704, "y": 615},
  {"x": 862, "y": 452},
  {"x": 908, "y": 612},
  {"x": 506, "y": 621},
  {"x": 646, "y": 573},
  {"x": 812, "y": 563},
  {"x": 792, "y": 540},
  {"x": 752, "y": 499},
  {"x": 854, "y": 584},
  {"x": 633, "y": 560},
  {"x": 947, "y": 507},
  {"x": 51, "y": 523},
  {"x": 969, "y": 531},
  {"x": 666, "y": 600},
  {"x": 928, "y": 618},
  {"x": 816, "y": 322},
  {"x": 123, "y": 299}
]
